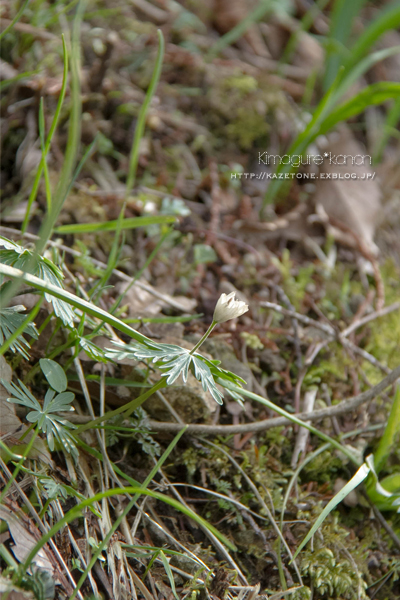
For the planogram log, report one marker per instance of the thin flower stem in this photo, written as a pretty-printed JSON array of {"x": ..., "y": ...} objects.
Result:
[
  {"x": 23, "y": 436},
  {"x": 203, "y": 339}
]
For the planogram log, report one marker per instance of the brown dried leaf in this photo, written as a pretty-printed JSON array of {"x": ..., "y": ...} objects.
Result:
[{"x": 354, "y": 203}]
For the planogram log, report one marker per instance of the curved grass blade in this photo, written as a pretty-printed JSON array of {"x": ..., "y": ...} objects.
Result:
[
  {"x": 344, "y": 13},
  {"x": 349, "y": 487},
  {"x": 387, "y": 20},
  {"x": 15, "y": 19},
  {"x": 390, "y": 434},
  {"x": 377, "y": 93},
  {"x": 130, "y": 223}
]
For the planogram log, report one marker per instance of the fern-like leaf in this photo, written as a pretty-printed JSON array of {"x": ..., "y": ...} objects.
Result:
[
  {"x": 10, "y": 320},
  {"x": 27, "y": 261}
]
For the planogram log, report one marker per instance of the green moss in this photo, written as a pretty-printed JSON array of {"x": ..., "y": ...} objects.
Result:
[
  {"x": 238, "y": 107},
  {"x": 323, "y": 467},
  {"x": 332, "y": 577}
]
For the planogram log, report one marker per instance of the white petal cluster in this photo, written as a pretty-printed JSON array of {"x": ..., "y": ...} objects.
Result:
[{"x": 228, "y": 308}]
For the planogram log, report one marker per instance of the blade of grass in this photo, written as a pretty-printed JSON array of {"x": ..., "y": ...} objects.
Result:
[
  {"x": 322, "y": 122},
  {"x": 169, "y": 573},
  {"x": 141, "y": 121},
  {"x": 15, "y": 19},
  {"x": 343, "y": 15},
  {"x": 7, "y": 82},
  {"x": 387, "y": 20},
  {"x": 390, "y": 435},
  {"x": 35, "y": 186},
  {"x": 355, "y": 481},
  {"x": 138, "y": 492},
  {"x": 44, "y": 161},
  {"x": 73, "y": 132},
  {"x": 377, "y": 93},
  {"x": 129, "y": 223},
  {"x": 362, "y": 67}
]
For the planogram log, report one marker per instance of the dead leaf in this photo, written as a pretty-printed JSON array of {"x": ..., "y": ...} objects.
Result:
[
  {"x": 355, "y": 203},
  {"x": 25, "y": 541}
]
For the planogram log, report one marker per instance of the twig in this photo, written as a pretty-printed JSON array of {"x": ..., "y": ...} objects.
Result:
[
  {"x": 331, "y": 411},
  {"x": 303, "y": 434},
  {"x": 293, "y": 314},
  {"x": 371, "y": 317}
]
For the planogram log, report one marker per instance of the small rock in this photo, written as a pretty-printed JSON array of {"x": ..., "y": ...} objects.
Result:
[
  {"x": 189, "y": 400},
  {"x": 271, "y": 361}
]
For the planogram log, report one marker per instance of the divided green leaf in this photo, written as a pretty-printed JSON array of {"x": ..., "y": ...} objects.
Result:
[
  {"x": 27, "y": 261},
  {"x": 11, "y": 319}
]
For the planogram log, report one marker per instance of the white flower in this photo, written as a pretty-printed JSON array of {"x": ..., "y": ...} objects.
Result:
[{"x": 228, "y": 308}]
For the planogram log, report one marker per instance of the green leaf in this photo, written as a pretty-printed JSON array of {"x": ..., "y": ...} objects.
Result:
[
  {"x": 11, "y": 320},
  {"x": 377, "y": 93},
  {"x": 391, "y": 433},
  {"x": 131, "y": 223},
  {"x": 360, "y": 475},
  {"x": 169, "y": 573},
  {"x": 55, "y": 427},
  {"x": 203, "y": 254},
  {"x": 21, "y": 395},
  {"x": 54, "y": 374},
  {"x": 29, "y": 262}
]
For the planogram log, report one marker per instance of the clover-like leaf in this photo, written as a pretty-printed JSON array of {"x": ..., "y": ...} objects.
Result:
[
  {"x": 54, "y": 374},
  {"x": 54, "y": 426}
]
